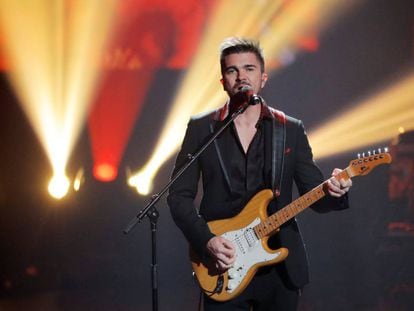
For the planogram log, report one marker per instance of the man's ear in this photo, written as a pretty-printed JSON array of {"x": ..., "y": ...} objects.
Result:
[
  {"x": 264, "y": 79},
  {"x": 222, "y": 82}
]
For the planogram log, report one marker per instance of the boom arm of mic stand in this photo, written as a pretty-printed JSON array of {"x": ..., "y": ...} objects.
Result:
[{"x": 191, "y": 158}]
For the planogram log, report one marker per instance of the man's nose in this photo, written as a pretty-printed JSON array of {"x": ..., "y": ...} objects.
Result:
[{"x": 241, "y": 75}]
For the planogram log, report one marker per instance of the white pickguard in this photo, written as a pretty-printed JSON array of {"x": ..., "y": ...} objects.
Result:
[{"x": 249, "y": 251}]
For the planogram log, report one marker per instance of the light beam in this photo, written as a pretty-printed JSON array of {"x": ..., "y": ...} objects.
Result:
[
  {"x": 377, "y": 119},
  {"x": 53, "y": 48}
]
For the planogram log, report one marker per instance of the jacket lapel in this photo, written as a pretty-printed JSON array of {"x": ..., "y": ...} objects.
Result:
[
  {"x": 275, "y": 139},
  {"x": 269, "y": 167},
  {"x": 220, "y": 143}
]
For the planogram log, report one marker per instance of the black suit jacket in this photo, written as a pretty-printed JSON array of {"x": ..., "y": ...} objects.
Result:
[{"x": 216, "y": 202}]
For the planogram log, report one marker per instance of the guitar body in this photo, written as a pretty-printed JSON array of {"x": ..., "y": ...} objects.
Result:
[{"x": 251, "y": 252}]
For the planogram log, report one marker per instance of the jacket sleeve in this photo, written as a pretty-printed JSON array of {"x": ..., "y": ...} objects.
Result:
[
  {"x": 183, "y": 192},
  {"x": 308, "y": 175}
]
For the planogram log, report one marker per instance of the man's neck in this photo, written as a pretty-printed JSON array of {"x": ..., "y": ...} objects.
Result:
[{"x": 250, "y": 116}]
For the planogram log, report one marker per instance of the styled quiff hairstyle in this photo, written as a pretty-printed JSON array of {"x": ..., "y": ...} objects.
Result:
[{"x": 234, "y": 45}]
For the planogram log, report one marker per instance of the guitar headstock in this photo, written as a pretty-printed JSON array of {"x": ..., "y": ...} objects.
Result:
[{"x": 367, "y": 162}]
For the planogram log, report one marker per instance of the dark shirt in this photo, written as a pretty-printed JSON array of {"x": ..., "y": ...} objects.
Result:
[{"x": 247, "y": 169}]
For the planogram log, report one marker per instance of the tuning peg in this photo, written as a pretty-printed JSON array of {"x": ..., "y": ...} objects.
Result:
[
  {"x": 363, "y": 154},
  {"x": 374, "y": 152},
  {"x": 369, "y": 153},
  {"x": 386, "y": 149},
  {"x": 359, "y": 156}
]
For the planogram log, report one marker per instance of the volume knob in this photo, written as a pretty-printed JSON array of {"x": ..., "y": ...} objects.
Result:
[
  {"x": 231, "y": 285},
  {"x": 233, "y": 274}
]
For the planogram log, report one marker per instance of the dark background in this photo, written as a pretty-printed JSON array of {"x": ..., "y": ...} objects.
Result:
[{"x": 72, "y": 254}]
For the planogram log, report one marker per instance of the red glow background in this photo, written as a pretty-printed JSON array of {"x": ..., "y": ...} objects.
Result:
[{"x": 148, "y": 36}]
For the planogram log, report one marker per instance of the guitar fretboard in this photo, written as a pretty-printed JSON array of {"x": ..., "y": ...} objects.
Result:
[{"x": 273, "y": 222}]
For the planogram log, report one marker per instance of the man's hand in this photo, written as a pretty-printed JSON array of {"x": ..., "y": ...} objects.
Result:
[
  {"x": 338, "y": 188},
  {"x": 223, "y": 251}
]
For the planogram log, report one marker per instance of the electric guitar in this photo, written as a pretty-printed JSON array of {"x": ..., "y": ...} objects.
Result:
[{"x": 250, "y": 230}]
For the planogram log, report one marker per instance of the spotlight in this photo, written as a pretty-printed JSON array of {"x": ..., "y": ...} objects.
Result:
[
  {"x": 59, "y": 186},
  {"x": 105, "y": 172},
  {"x": 79, "y": 179},
  {"x": 53, "y": 49},
  {"x": 142, "y": 182}
]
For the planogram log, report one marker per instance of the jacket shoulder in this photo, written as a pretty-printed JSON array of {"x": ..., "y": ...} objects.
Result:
[
  {"x": 209, "y": 115},
  {"x": 284, "y": 118},
  {"x": 205, "y": 117}
]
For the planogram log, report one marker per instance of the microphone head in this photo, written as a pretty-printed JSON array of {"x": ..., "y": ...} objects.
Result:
[
  {"x": 248, "y": 90},
  {"x": 246, "y": 95},
  {"x": 252, "y": 98}
]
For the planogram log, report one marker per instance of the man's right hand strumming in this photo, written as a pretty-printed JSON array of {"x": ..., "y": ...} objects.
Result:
[{"x": 223, "y": 251}]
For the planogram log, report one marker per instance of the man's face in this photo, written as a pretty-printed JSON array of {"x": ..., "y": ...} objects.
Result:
[{"x": 241, "y": 69}]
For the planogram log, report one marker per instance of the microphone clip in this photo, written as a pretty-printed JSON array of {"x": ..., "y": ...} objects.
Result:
[{"x": 255, "y": 99}]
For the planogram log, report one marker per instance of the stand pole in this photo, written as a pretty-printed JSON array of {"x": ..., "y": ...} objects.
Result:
[{"x": 153, "y": 216}]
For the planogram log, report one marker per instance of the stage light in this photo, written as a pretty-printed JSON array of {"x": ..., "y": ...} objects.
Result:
[
  {"x": 59, "y": 186},
  {"x": 377, "y": 119},
  {"x": 142, "y": 182},
  {"x": 79, "y": 179},
  {"x": 105, "y": 172},
  {"x": 279, "y": 25},
  {"x": 53, "y": 48}
]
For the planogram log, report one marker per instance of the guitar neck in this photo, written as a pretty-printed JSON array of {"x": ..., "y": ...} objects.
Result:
[{"x": 273, "y": 222}]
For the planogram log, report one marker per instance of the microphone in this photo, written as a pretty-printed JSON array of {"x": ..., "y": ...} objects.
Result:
[{"x": 252, "y": 98}]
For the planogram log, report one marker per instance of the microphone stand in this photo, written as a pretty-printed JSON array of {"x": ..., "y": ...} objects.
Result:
[{"x": 151, "y": 211}]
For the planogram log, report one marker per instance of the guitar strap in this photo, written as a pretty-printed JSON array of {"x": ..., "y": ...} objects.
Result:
[{"x": 278, "y": 151}]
